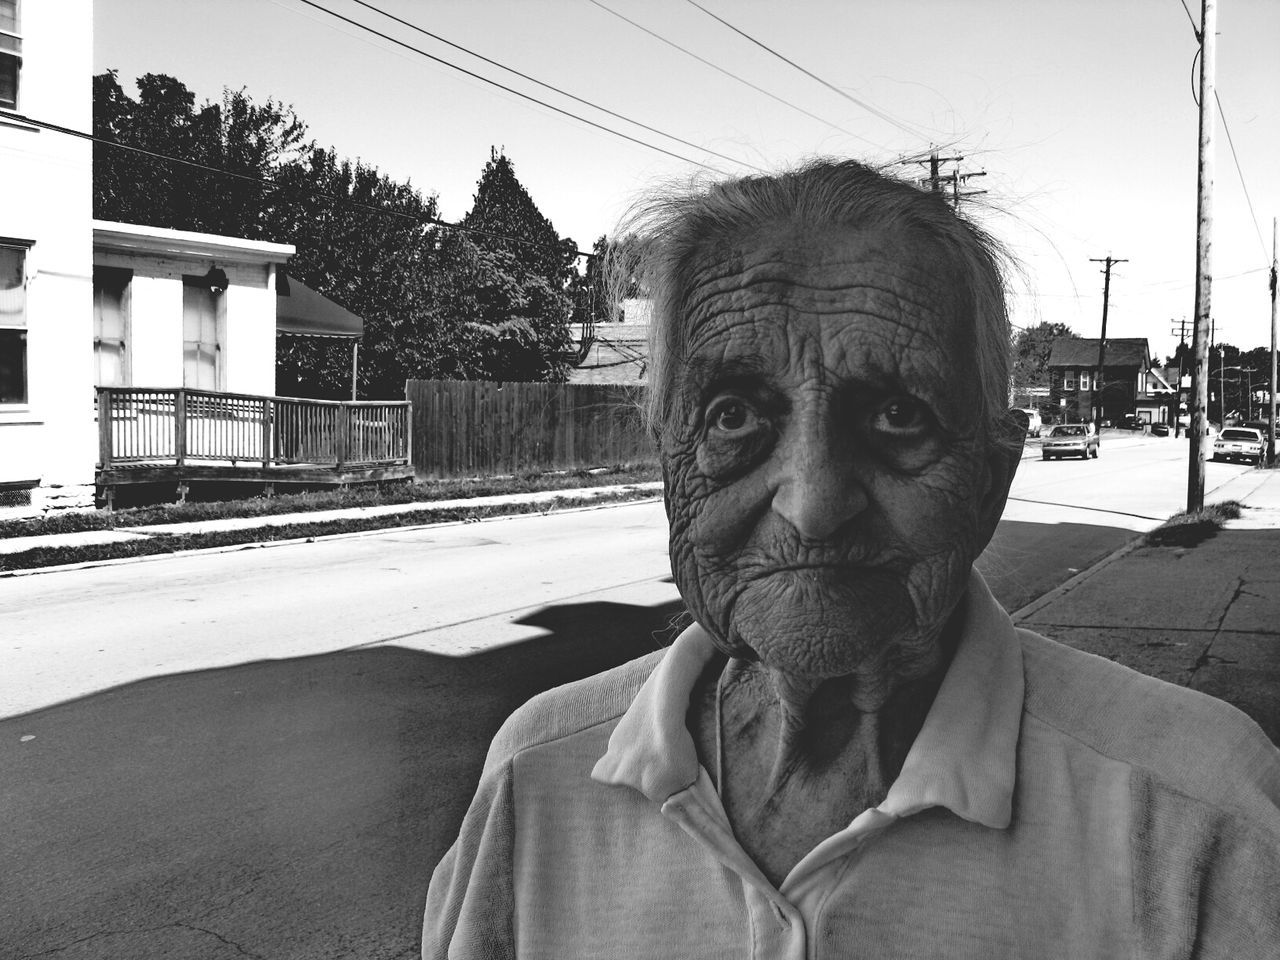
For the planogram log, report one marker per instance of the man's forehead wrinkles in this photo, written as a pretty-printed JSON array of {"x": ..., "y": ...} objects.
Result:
[
  {"x": 871, "y": 296},
  {"x": 782, "y": 319}
]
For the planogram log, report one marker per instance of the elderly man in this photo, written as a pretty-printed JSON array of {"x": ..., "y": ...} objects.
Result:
[{"x": 852, "y": 752}]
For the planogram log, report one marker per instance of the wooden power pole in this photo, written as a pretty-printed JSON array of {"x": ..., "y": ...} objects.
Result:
[
  {"x": 1204, "y": 234},
  {"x": 1271, "y": 431},
  {"x": 1102, "y": 342}
]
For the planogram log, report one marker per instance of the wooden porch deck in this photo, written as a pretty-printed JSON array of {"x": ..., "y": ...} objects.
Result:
[{"x": 181, "y": 436}]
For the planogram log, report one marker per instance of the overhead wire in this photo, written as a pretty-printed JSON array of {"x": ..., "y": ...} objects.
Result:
[
  {"x": 272, "y": 184},
  {"x": 731, "y": 75},
  {"x": 504, "y": 87},
  {"x": 1222, "y": 112},
  {"x": 875, "y": 111},
  {"x": 548, "y": 86},
  {"x": 1240, "y": 173}
]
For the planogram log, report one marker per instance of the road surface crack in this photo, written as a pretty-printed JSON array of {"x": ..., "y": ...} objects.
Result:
[{"x": 1206, "y": 656}]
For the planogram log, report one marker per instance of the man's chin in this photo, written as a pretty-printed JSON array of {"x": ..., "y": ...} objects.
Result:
[{"x": 809, "y": 626}]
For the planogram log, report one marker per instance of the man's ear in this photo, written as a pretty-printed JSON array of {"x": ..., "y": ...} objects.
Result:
[{"x": 1003, "y": 454}]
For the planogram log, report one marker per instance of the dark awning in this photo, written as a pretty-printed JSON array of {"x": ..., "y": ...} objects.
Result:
[{"x": 301, "y": 311}]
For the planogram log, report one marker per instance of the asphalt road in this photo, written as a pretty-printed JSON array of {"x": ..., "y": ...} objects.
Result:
[{"x": 263, "y": 753}]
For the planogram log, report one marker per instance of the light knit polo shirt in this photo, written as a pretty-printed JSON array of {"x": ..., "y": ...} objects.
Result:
[{"x": 1054, "y": 804}]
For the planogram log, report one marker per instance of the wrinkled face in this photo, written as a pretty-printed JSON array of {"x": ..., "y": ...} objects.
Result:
[{"x": 828, "y": 483}]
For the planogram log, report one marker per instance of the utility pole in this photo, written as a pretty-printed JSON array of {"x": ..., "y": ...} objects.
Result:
[
  {"x": 1271, "y": 430},
  {"x": 1176, "y": 413},
  {"x": 1204, "y": 235},
  {"x": 1102, "y": 343},
  {"x": 958, "y": 178},
  {"x": 939, "y": 182}
]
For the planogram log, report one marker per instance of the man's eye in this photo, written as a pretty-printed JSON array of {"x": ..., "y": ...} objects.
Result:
[
  {"x": 901, "y": 415},
  {"x": 730, "y": 415}
]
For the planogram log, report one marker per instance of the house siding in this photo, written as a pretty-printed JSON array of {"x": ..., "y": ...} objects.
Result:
[{"x": 46, "y": 198}]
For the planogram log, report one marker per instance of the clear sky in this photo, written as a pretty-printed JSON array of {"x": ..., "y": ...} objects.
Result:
[{"x": 1080, "y": 112}]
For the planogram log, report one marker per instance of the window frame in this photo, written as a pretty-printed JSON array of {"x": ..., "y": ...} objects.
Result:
[
  {"x": 123, "y": 277},
  {"x": 12, "y": 52},
  {"x": 23, "y": 324},
  {"x": 218, "y": 303}
]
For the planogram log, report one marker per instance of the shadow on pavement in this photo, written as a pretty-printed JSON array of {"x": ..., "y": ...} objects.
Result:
[
  {"x": 1025, "y": 561},
  {"x": 283, "y": 809}
]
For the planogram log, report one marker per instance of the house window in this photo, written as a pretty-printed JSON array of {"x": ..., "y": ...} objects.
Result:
[
  {"x": 13, "y": 323},
  {"x": 1084, "y": 380},
  {"x": 111, "y": 325},
  {"x": 10, "y": 54},
  {"x": 201, "y": 343},
  {"x": 1069, "y": 380}
]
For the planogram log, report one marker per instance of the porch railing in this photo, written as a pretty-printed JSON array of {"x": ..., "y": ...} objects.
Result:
[{"x": 143, "y": 425}]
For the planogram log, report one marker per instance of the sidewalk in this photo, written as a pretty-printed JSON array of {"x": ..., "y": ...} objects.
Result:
[
  {"x": 397, "y": 514},
  {"x": 1205, "y": 616}
]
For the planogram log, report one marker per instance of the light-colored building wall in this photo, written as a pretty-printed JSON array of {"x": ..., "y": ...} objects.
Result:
[
  {"x": 159, "y": 260},
  {"x": 46, "y": 202},
  {"x": 250, "y": 347}
]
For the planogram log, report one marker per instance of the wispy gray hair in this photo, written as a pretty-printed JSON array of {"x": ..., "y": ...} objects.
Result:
[{"x": 668, "y": 230}]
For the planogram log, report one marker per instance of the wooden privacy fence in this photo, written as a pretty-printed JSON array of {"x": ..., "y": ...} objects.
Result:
[
  {"x": 467, "y": 428},
  {"x": 139, "y": 426}
]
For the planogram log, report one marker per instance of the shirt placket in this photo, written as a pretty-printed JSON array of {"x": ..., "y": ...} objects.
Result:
[
  {"x": 782, "y": 921},
  {"x": 778, "y": 929}
]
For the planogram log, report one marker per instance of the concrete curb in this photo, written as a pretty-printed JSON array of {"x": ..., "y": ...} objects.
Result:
[
  {"x": 1026, "y": 612},
  {"x": 539, "y": 510}
]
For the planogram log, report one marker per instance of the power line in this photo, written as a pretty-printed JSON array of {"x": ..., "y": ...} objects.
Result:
[
  {"x": 808, "y": 73},
  {"x": 734, "y": 76},
  {"x": 511, "y": 90},
  {"x": 1240, "y": 173},
  {"x": 1194, "y": 28},
  {"x": 275, "y": 185},
  {"x": 1226, "y": 129},
  {"x": 555, "y": 89}
]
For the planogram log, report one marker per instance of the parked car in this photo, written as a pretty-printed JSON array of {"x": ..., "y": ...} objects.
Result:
[
  {"x": 1239, "y": 443},
  {"x": 1034, "y": 423},
  {"x": 1131, "y": 421},
  {"x": 1071, "y": 440},
  {"x": 1159, "y": 429}
]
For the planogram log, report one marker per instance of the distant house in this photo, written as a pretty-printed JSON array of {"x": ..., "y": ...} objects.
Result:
[
  {"x": 1130, "y": 384},
  {"x": 617, "y": 352}
]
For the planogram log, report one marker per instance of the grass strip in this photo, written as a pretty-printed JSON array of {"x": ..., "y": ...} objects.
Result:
[
  {"x": 1189, "y": 528},
  {"x": 174, "y": 543},
  {"x": 365, "y": 496}
]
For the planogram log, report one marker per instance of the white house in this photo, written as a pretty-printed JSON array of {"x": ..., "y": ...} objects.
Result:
[
  {"x": 47, "y": 434},
  {"x": 88, "y": 304},
  {"x": 172, "y": 308}
]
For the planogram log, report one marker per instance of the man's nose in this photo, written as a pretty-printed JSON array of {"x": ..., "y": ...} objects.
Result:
[{"x": 818, "y": 490}]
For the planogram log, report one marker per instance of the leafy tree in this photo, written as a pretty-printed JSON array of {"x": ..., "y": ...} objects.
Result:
[
  {"x": 1031, "y": 348},
  {"x": 236, "y": 135},
  {"x": 503, "y": 207},
  {"x": 435, "y": 303},
  {"x": 509, "y": 300},
  {"x": 363, "y": 241}
]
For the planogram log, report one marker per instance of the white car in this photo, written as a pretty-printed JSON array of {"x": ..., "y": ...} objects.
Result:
[
  {"x": 1238, "y": 443},
  {"x": 1070, "y": 440}
]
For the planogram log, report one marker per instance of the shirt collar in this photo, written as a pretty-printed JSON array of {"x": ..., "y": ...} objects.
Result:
[{"x": 964, "y": 757}]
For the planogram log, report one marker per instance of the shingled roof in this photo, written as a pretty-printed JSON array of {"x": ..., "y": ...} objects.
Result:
[{"x": 1083, "y": 352}]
